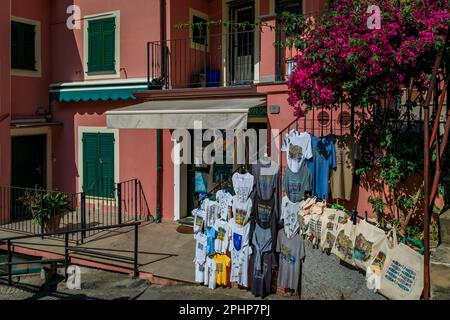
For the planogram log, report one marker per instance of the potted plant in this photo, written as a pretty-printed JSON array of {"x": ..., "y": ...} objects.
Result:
[{"x": 46, "y": 208}]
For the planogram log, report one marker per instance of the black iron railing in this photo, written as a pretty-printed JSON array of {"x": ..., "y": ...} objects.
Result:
[
  {"x": 36, "y": 211},
  {"x": 77, "y": 250},
  {"x": 210, "y": 61}
]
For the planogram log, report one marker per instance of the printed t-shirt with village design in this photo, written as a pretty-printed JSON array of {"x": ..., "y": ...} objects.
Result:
[
  {"x": 297, "y": 183},
  {"x": 224, "y": 199},
  {"x": 243, "y": 185},
  {"x": 298, "y": 147},
  {"x": 292, "y": 252},
  {"x": 222, "y": 263},
  {"x": 200, "y": 257},
  {"x": 199, "y": 220},
  {"x": 212, "y": 212},
  {"x": 210, "y": 273},
  {"x": 240, "y": 252},
  {"x": 241, "y": 210},
  {"x": 262, "y": 280},
  {"x": 223, "y": 233},
  {"x": 289, "y": 216}
]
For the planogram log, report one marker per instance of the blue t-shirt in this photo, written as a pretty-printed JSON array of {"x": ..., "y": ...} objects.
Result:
[
  {"x": 211, "y": 235},
  {"x": 321, "y": 164}
]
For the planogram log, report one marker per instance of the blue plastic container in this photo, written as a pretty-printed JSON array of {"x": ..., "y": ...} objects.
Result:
[{"x": 213, "y": 78}]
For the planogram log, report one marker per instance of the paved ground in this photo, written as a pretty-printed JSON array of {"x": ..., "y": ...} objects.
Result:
[{"x": 324, "y": 277}]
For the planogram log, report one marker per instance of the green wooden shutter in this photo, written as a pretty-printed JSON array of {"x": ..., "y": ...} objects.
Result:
[
  {"x": 98, "y": 164},
  {"x": 102, "y": 45},
  {"x": 90, "y": 164},
  {"x": 109, "y": 44},
  {"x": 95, "y": 46},
  {"x": 106, "y": 164}
]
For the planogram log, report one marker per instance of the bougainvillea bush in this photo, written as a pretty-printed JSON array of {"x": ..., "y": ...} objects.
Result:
[{"x": 343, "y": 60}]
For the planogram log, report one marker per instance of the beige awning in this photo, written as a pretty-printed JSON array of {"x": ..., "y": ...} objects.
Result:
[{"x": 181, "y": 114}]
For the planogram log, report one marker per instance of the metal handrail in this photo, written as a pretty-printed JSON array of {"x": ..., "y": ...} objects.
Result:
[{"x": 67, "y": 249}]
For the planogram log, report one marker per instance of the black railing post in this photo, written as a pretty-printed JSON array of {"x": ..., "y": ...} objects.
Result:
[
  {"x": 136, "y": 250},
  {"x": 119, "y": 204},
  {"x": 9, "y": 264},
  {"x": 136, "y": 186},
  {"x": 83, "y": 216},
  {"x": 41, "y": 215},
  {"x": 66, "y": 255}
]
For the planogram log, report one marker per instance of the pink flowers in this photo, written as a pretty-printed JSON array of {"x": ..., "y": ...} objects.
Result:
[{"x": 343, "y": 60}]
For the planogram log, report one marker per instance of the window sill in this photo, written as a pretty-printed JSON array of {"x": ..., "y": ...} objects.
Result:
[
  {"x": 26, "y": 73},
  {"x": 102, "y": 75}
]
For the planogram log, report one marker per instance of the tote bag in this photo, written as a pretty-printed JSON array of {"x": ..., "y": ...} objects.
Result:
[
  {"x": 345, "y": 242},
  {"x": 368, "y": 241},
  {"x": 332, "y": 219},
  {"x": 401, "y": 273}
]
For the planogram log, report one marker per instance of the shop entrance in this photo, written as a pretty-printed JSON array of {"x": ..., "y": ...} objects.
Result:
[
  {"x": 199, "y": 180},
  {"x": 29, "y": 161}
]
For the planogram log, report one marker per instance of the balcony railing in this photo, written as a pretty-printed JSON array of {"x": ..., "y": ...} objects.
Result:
[{"x": 210, "y": 61}]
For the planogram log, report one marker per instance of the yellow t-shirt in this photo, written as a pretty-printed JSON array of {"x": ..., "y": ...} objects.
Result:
[{"x": 222, "y": 262}]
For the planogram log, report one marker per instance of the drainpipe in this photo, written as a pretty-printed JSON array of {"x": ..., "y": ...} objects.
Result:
[{"x": 159, "y": 149}]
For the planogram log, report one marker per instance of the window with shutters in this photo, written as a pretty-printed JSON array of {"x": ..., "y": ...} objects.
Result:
[
  {"x": 98, "y": 164},
  {"x": 101, "y": 44},
  {"x": 23, "y": 46}
]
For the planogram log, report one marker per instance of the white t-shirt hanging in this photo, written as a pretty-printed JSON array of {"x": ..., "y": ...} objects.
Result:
[
  {"x": 200, "y": 257},
  {"x": 289, "y": 216},
  {"x": 210, "y": 273},
  {"x": 200, "y": 248},
  {"x": 199, "y": 220},
  {"x": 223, "y": 236},
  {"x": 240, "y": 252},
  {"x": 298, "y": 147},
  {"x": 199, "y": 273},
  {"x": 241, "y": 210},
  {"x": 224, "y": 199},
  {"x": 243, "y": 185},
  {"x": 212, "y": 212}
]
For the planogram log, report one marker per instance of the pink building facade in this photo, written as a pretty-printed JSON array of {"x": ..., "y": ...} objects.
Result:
[{"x": 57, "y": 110}]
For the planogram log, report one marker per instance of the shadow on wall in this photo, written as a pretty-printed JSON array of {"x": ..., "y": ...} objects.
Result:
[
  {"x": 375, "y": 188},
  {"x": 67, "y": 44}
]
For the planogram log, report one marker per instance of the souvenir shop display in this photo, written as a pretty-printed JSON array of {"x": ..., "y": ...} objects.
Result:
[{"x": 253, "y": 236}]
